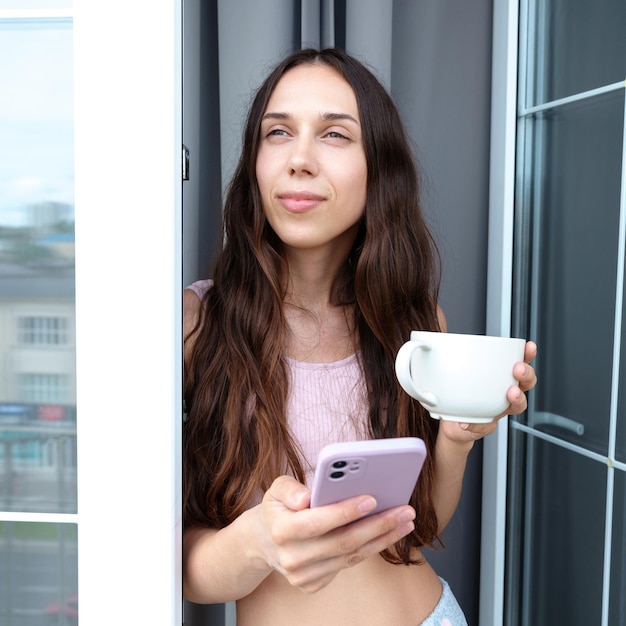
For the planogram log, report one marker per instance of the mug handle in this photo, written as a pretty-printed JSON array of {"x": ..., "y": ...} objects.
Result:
[{"x": 403, "y": 372}]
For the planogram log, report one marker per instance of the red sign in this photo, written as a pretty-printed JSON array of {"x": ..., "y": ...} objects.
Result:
[{"x": 51, "y": 413}]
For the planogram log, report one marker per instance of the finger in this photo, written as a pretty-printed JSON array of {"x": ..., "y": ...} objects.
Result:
[
  {"x": 525, "y": 374},
  {"x": 517, "y": 400},
  {"x": 530, "y": 351},
  {"x": 321, "y": 573},
  {"x": 347, "y": 541},
  {"x": 312, "y": 583},
  {"x": 478, "y": 431},
  {"x": 348, "y": 547},
  {"x": 367, "y": 542},
  {"x": 324, "y": 519},
  {"x": 287, "y": 491}
]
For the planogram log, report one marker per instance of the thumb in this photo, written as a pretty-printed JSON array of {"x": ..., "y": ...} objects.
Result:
[{"x": 290, "y": 493}]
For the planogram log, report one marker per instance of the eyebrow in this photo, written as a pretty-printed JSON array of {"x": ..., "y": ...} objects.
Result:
[{"x": 326, "y": 117}]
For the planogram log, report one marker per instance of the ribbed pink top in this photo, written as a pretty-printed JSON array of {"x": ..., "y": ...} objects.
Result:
[{"x": 327, "y": 402}]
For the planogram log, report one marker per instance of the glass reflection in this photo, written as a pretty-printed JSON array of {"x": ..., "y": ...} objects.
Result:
[
  {"x": 574, "y": 203},
  {"x": 37, "y": 347},
  {"x": 38, "y": 574},
  {"x": 555, "y": 536},
  {"x": 620, "y": 447},
  {"x": 620, "y": 431},
  {"x": 581, "y": 47},
  {"x": 617, "y": 598}
]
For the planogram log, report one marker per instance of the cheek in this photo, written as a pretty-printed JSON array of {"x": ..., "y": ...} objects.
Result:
[
  {"x": 358, "y": 185},
  {"x": 260, "y": 174},
  {"x": 263, "y": 165},
  {"x": 264, "y": 187},
  {"x": 351, "y": 175}
]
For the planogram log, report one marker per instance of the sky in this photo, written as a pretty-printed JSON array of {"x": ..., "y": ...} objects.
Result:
[
  {"x": 35, "y": 4},
  {"x": 36, "y": 118}
]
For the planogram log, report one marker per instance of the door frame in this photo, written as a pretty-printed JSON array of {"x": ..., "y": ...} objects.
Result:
[
  {"x": 128, "y": 147},
  {"x": 499, "y": 291}
]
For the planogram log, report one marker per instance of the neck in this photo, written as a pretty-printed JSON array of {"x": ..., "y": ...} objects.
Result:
[
  {"x": 311, "y": 283},
  {"x": 318, "y": 329},
  {"x": 314, "y": 272}
]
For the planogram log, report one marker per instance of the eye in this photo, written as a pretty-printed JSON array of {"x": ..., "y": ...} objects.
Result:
[
  {"x": 337, "y": 135},
  {"x": 277, "y": 135}
]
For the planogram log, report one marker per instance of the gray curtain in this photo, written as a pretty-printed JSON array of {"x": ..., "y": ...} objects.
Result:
[{"x": 435, "y": 58}]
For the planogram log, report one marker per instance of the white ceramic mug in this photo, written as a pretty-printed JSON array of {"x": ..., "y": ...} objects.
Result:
[{"x": 462, "y": 378}]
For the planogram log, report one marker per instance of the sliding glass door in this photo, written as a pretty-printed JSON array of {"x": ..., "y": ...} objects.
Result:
[
  {"x": 565, "y": 529},
  {"x": 90, "y": 312}
]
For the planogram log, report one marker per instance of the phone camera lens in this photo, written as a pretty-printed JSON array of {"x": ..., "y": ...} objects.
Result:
[
  {"x": 339, "y": 464},
  {"x": 336, "y": 475}
]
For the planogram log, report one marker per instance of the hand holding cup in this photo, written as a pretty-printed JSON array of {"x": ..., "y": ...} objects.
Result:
[{"x": 461, "y": 378}]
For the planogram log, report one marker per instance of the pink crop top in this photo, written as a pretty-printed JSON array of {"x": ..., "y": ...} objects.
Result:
[{"x": 327, "y": 402}]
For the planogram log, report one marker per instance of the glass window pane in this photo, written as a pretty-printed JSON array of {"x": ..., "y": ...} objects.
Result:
[
  {"x": 567, "y": 266},
  {"x": 33, "y": 5},
  {"x": 37, "y": 346},
  {"x": 620, "y": 447},
  {"x": 617, "y": 598},
  {"x": 574, "y": 200},
  {"x": 580, "y": 46},
  {"x": 559, "y": 526},
  {"x": 38, "y": 574},
  {"x": 620, "y": 439}
]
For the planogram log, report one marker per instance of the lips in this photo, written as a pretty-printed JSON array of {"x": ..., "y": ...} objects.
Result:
[{"x": 299, "y": 201}]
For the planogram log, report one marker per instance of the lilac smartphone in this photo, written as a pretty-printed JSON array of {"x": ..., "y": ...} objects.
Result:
[{"x": 386, "y": 469}]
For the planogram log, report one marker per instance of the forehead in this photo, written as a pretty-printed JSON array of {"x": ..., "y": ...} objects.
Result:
[{"x": 315, "y": 87}]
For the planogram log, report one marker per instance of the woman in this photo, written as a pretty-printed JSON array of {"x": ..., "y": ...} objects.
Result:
[{"x": 327, "y": 266}]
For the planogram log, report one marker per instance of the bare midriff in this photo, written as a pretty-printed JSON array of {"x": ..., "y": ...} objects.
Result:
[{"x": 373, "y": 593}]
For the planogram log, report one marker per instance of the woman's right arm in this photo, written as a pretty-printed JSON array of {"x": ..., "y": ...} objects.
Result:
[
  {"x": 228, "y": 564},
  {"x": 307, "y": 546},
  {"x": 216, "y": 563}
]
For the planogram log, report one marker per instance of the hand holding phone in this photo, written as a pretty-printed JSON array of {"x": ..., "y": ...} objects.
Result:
[{"x": 386, "y": 469}]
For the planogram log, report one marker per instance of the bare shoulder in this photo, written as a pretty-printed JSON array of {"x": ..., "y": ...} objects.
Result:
[
  {"x": 441, "y": 318},
  {"x": 191, "y": 315},
  {"x": 191, "y": 310}
]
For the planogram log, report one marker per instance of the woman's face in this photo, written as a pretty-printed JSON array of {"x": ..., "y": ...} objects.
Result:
[{"x": 311, "y": 166}]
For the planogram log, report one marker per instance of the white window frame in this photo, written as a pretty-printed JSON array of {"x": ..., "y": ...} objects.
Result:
[
  {"x": 128, "y": 138},
  {"x": 499, "y": 290}
]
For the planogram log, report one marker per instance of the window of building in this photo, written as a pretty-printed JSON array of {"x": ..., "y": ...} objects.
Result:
[
  {"x": 44, "y": 388},
  {"x": 42, "y": 331}
]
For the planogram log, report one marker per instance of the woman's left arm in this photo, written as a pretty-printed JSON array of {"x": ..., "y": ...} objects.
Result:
[{"x": 455, "y": 440}]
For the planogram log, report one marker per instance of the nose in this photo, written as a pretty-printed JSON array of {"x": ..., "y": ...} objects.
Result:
[{"x": 303, "y": 158}]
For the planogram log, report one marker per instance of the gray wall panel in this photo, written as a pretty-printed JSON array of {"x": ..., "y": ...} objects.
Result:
[{"x": 441, "y": 80}]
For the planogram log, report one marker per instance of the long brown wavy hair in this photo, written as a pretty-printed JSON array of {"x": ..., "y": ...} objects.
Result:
[{"x": 236, "y": 436}]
